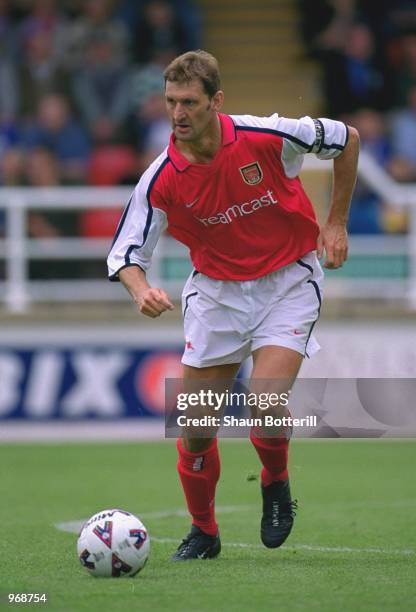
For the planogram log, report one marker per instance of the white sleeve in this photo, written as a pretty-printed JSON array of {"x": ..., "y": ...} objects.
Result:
[
  {"x": 324, "y": 137},
  {"x": 139, "y": 228}
]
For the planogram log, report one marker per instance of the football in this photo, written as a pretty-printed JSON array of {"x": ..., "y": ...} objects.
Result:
[{"x": 113, "y": 543}]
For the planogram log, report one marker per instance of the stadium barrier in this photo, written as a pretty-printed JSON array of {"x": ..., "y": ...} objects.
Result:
[{"x": 379, "y": 266}]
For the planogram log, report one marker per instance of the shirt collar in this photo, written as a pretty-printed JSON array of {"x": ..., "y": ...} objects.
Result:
[{"x": 228, "y": 133}]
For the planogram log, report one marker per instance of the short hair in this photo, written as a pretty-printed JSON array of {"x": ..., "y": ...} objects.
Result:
[{"x": 195, "y": 65}]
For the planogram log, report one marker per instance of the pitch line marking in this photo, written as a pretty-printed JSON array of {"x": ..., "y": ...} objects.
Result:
[
  {"x": 75, "y": 526},
  {"x": 310, "y": 547}
]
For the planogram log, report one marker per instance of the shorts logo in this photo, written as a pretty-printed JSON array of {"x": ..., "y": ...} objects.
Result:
[{"x": 252, "y": 173}]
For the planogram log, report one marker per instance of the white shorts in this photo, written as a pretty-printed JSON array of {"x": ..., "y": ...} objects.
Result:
[{"x": 225, "y": 321}]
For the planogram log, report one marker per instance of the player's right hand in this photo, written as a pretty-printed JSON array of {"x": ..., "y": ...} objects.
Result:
[{"x": 153, "y": 302}]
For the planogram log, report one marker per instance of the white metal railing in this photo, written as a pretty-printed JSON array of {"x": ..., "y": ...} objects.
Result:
[{"x": 18, "y": 291}]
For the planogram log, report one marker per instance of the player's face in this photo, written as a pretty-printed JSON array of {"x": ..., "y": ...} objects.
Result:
[{"x": 190, "y": 109}]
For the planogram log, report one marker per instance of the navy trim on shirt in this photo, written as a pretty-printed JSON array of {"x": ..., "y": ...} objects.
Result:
[
  {"x": 149, "y": 217},
  {"x": 244, "y": 128},
  {"x": 122, "y": 220},
  {"x": 114, "y": 278},
  {"x": 347, "y": 135},
  {"x": 333, "y": 146}
]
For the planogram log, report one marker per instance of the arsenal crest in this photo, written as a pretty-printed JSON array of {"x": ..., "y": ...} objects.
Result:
[{"x": 252, "y": 173}]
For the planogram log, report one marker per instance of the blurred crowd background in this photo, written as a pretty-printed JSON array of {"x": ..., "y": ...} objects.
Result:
[
  {"x": 367, "y": 54},
  {"x": 81, "y": 93}
]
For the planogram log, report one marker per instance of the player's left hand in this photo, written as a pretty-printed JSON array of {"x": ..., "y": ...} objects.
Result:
[{"x": 333, "y": 239}]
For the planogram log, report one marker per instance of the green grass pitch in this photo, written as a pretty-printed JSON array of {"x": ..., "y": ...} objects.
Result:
[{"x": 353, "y": 547}]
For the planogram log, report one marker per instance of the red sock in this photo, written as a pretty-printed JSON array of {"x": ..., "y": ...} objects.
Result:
[
  {"x": 273, "y": 456},
  {"x": 199, "y": 474}
]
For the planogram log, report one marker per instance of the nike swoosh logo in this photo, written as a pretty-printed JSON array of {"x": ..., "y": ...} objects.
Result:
[{"x": 192, "y": 203}]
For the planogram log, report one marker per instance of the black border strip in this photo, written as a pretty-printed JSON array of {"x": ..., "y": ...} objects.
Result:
[
  {"x": 305, "y": 265},
  {"x": 114, "y": 278},
  {"x": 122, "y": 220},
  {"x": 186, "y": 301},
  {"x": 318, "y": 295},
  {"x": 149, "y": 217},
  {"x": 334, "y": 146},
  {"x": 323, "y": 135},
  {"x": 347, "y": 135}
]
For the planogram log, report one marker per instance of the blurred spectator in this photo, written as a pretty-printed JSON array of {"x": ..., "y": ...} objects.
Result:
[
  {"x": 12, "y": 168},
  {"x": 73, "y": 8},
  {"x": 158, "y": 128},
  {"x": 45, "y": 18},
  {"x": 366, "y": 215},
  {"x": 43, "y": 171},
  {"x": 325, "y": 24},
  {"x": 9, "y": 137},
  {"x": 42, "y": 168},
  {"x": 102, "y": 91},
  {"x": 129, "y": 11},
  {"x": 40, "y": 74},
  {"x": 12, "y": 171},
  {"x": 58, "y": 132},
  {"x": 406, "y": 68},
  {"x": 353, "y": 78},
  {"x": 97, "y": 23},
  {"x": 8, "y": 80},
  {"x": 187, "y": 13},
  {"x": 11, "y": 161},
  {"x": 403, "y": 134},
  {"x": 8, "y": 43},
  {"x": 400, "y": 14},
  {"x": 8, "y": 90},
  {"x": 160, "y": 35},
  {"x": 145, "y": 81}
]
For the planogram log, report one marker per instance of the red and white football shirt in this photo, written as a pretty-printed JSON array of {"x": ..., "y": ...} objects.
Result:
[{"x": 244, "y": 214}]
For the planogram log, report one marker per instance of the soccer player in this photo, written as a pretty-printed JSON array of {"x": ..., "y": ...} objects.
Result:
[{"x": 227, "y": 187}]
